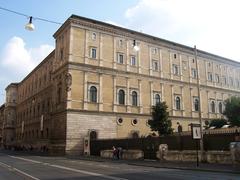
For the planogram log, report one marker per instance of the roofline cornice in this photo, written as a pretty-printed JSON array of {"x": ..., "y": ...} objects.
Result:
[{"x": 80, "y": 21}]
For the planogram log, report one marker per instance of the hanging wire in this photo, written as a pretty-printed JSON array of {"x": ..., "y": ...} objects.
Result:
[{"x": 25, "y": 15}]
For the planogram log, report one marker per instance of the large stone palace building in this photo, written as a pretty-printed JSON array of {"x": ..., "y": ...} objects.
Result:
[{"x": 96, "y": 84}]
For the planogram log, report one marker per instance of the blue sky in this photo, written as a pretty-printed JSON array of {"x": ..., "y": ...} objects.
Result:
[{"x": 212, "y": 25}]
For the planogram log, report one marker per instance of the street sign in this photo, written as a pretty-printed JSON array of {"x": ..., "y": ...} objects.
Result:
[
  {"x": 196, "y": 131},
  {"x": 196, "y": 135}
]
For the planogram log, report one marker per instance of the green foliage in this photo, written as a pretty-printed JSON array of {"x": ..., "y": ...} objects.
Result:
[
  {"x": 232, "y": 110},
  {"x": 160, "y": 119},
  {"x": 218, "y": 123}
]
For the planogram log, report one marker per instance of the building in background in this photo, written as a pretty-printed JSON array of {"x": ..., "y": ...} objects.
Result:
[
  {"x": 2, "y": 107},
  {"x": 94, "y": 84}
]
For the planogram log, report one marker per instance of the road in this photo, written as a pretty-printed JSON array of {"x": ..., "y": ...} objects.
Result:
[{"x": 18, "y": 167}]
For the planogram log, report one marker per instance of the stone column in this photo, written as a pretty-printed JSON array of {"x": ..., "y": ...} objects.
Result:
[
  {"x": 206, "y": 71},
  {"x": 173, "y": 100},
  {"x": 182, "y": 99},
  {"x": 228, "y": 77},
  {"x": 216, "y": 105},
  {"x": 214, "y": 78},
  {"x": 128, "y": 103},
  {"x": 150, "y": 61},
  {"x": 127, "y": 57},
  {"x": 100, "y": 107},
  {"x": 139, "y": 62},
  {"x": 170, "y": 65},
  {"x": 191, "y": 101},
  {"x": 234, "y": 79},
  {"x": 114, "y": 54},
  {"x": 161, "y": 63},
  {"x": 86, "y": 52},
  {"x": 180, "y": 68},
  {"x": 100, "y": 49},
  {"x": 85, "y": 102},
  {"x": 69, "y": 90},
  {"x": 221, "y": 74},
  {"x": 151, "y": 93},
  {"x": 140, "y": 96},
  {"x": 190, "y": 69},
  {"x": 70, "y": 45},
  {"x": 162, "y": 92},
  {"x": 114, "y": 94},
  {"x": 208, "y": 102}
]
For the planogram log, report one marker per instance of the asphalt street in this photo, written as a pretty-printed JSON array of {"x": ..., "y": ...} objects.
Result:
[{"x": 19, "y": 166}]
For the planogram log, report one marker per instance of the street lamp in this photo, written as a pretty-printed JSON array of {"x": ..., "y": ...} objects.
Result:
[
  {"x": 29, "y": 26},
  {"x": 135, "y": 46},
  {"x": 199, "y": 98}
]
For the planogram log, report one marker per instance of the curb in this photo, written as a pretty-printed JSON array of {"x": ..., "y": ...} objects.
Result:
[
  {"x": 164, "y": 166},
  {"x": 187, "y": 168}
]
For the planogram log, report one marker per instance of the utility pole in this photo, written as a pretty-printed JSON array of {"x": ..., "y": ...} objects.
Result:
[{"x": 199, "y": 100}]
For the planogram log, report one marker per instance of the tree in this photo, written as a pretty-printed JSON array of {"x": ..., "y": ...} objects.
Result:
[
  {"x": 232, "y": 110},
  {"x": 160, "y": 119},
  {"x": 218, "y": 123}
]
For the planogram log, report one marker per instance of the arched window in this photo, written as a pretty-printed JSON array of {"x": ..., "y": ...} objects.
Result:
[
  {"x": 121, "y": 97},
  {"x": 93, "y": 135},
  {"x": 213, "y": 106},
  {"x": 196, "y": 105},
  {"x": 134, "y": 98},
  {"x": 157, "y": 99},
  {"x": 220, "y": 107},
  {"x": 178, "y": 103},
  {"x": 93, "y": 94}
]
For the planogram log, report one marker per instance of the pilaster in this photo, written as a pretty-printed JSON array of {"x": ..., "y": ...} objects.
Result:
[{"x": 85, "y": 103}]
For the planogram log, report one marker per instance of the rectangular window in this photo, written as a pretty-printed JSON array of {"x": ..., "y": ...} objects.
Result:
[
  {"x": 120, "y": 58},
  {"x": 194, "y": 73},
  {"x": 231, "y": 81},
  {"x": 210, "y": 76},
  {"x": 155, "y": 65},
  {"x": 217, "y": 79},
  {"x": 237, "y": 83},
  {"x": 133, "y": 61},
  {"x": 224, "y": 80},
  {"x": 93, "y": 53},
  {"x": 175, "y": 69},
  {"x": 154, "y": 51}
]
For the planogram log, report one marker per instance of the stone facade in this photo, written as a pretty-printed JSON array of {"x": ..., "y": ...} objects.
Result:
[
  {"x": 94, "y": 81},
  {"x": 1, "y": 123}
]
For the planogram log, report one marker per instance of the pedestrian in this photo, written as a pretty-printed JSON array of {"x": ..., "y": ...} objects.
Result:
[
  {"x": 179, "y": 127},
  {"x": 120, "y": 152},
  {"x": 114, "y": 152}
]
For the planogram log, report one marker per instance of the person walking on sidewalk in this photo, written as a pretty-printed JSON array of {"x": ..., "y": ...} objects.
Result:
[{"x": 115, "y": 153}]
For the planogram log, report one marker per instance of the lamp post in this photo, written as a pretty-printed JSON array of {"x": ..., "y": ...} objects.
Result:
[{"x": 199, "y": 100}]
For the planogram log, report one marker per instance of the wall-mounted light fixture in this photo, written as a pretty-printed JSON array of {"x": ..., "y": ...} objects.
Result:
[{"x": 135, "y": 46}]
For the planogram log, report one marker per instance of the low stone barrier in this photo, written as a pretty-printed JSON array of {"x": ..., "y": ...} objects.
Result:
[
  {"x": 126, "y": 154},
  {"x": 221, "y": 157}
]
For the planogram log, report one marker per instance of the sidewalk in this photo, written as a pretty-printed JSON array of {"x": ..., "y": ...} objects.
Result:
[{"x": 224, "y": 168}]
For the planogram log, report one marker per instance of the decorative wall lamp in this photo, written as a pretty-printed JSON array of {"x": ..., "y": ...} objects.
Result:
[{"x": 135, "y": 46}]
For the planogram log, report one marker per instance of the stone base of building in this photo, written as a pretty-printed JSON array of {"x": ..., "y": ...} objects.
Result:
[
  {"x": 57, "y": 150},
  {"x": 80, "y": 125}
]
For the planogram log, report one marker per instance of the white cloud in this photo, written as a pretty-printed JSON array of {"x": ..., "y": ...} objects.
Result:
[
  {"x": 212, "y": 25},
  {"x": 16, "y": 56}
]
